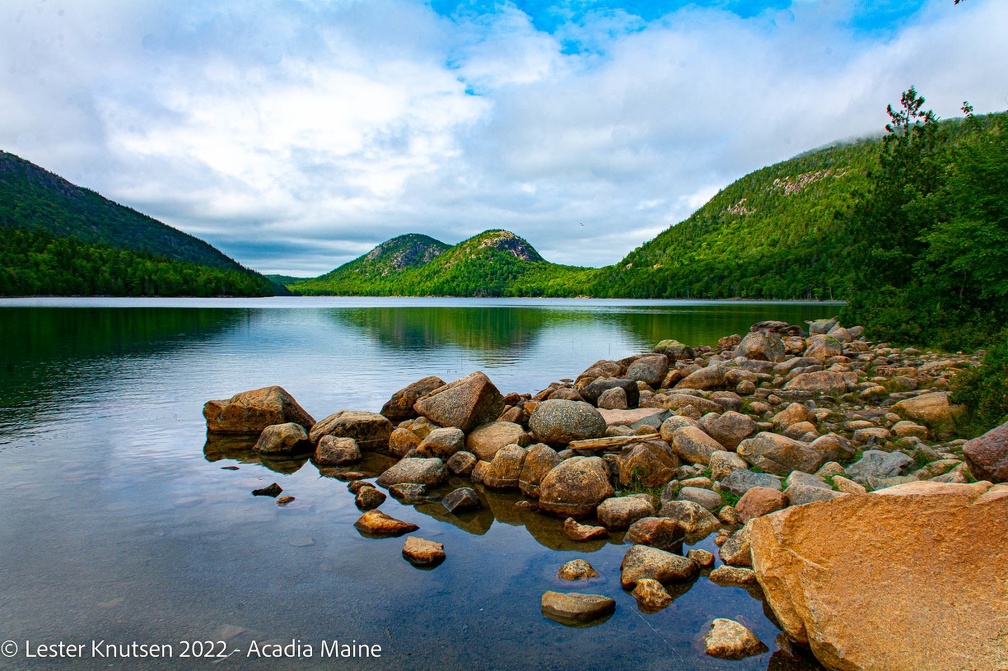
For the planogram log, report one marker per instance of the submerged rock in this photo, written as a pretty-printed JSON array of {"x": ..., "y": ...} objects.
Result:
[
  {"x": 274, "y": 490},
  {"x": 377, "y": 523},
  {"x": 583, "y": 532},
  {"x": 422, "y": 552},
  {"x": 461, "y": 500},
  {"x": 651, "y": 595},
  {"x": 577, "y": 569},
  {"x": 729, "y": 639},
  {"x": 574, "y": 606}
]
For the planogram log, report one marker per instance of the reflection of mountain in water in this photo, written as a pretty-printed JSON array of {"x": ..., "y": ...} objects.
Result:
[{"x": 42, "y": 348}]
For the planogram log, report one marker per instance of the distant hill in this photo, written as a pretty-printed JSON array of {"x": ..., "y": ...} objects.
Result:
[
  {"x": 492, "y": 263},
  {"x": 111, "y": 249}
]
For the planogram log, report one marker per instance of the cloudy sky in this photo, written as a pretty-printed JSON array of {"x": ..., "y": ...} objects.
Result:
[{"x": 297, "y": 134}]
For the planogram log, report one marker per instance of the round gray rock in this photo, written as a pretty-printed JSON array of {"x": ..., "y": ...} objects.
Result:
[{"x": 558, "y": 421}]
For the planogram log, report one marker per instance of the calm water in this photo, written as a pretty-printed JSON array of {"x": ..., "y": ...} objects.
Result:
[{"x": 118, "y": 523}]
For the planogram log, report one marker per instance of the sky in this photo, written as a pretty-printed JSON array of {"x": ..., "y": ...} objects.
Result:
[{"x": 295, "y": 135}]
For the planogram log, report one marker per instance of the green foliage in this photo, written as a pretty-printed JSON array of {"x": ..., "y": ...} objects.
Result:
[
  {"x": 984, "y": 389},
  {"x": 34, "y": 262},
  {"x": 728, "y": 498}
]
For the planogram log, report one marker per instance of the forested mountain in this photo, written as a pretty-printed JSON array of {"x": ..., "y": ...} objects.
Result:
[{"x": 65, "y": 240}]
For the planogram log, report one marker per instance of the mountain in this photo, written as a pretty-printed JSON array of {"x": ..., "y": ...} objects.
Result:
[
  {"x": 492, "y": 263},
  {"x": 64, "y": 239}
]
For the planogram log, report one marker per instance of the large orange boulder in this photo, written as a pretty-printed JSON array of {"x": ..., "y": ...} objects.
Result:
[
  {"x": 911, "y": 577},
  {"x": 249, "y": 412}
]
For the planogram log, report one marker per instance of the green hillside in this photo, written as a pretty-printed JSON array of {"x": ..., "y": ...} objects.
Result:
[{"x": 62, "y": 239}]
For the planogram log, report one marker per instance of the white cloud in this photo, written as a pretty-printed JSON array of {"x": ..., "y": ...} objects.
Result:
[{"x": 297, "y": 135}]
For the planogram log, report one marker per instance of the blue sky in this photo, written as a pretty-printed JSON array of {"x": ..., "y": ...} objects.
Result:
[{"x": 297, "y": 134}]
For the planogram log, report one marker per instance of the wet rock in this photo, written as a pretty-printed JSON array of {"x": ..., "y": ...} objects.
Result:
[
  {"x": 619, "y": 512},
  {"x": 736, "y": 550},
  {"x": 987, "y": 455},
  {"x": 272, "y": 490},
  {"x": 462, "y": 463},
  {"x": 728, "y": 639},
  {"x": 595, "y": 389},
  {"x": 693, "y": 518},
  {"x": 705, "y": 497},
  {"x": 369, "y": 429},
  {"x": 879, "y": 464},
  {"x": 648, "y": 464},
  {"x": 462, "y": 500},
  {"x": 288, "y": 438},
  {"x": 402, "y": 441},
  {"x": 642, "y": 561},
  {"x": 419, "y": 470},
  {"x": 575, "y": 487},
  {"x": 409, "y": 493},
  {"x": 442, "y": 443},
  {"x": 334, "y": 451},
  {"x": 249, "y": 412},
  {"x": 779, "y": 454},
  {"x": 400, "y": 406},
  {"x": 485, "y": 440},
  {"x": 651, "y": 370},
  {"x": 505, "y": 469},
  {"x": 732, "y": 575},
  {"x": 540, "y": 459},
  {"x": 284, "y": 500},
  {"x": 576, "y": 607},
  {"x": 722, "y": 464},
  {"x": 836, "y": 576},
  {"x": 820, "y": 382},
  {"x": 422, "y": 552},
  {"x": 583, "y": 532},
  {"x": 377, "y": 523},
  {"x": 691, "y": 444},
  {"x": 658, "y": 532},
  {"x": 759, "y": 501},
  {"x": 703, "y": 558},
  {"x": 651, "y": 595},
  {"x": 577, "y": 569},
  {"x": 741, "y": 481},
  {"x": 762, "y": 346},
  {"x": 933, "y": 410},
  {"x": 711, "y": 377},
  {"x": 558, "y": 422},
  {"x": 369, "y": 498},
  {"x": 465, "y": 403}
]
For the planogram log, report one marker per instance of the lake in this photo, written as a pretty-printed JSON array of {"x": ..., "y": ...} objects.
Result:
[{"x": 121, "y": 524}]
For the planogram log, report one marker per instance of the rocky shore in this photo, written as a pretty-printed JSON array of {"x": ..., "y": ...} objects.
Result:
[{"x": 828, "y": 467}]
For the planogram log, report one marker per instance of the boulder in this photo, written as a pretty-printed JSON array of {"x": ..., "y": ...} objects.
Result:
[
  {"x": 674, "y": 350},
  {"x": 759, "y": 501},
  {"x": 369, "y": 429},
  {"x": 711, "y": 377},
  {"x": 933, "y": 410},
  {"x": 822, "y": 347},
  {"x": 693, "y": 518},
  {"x": 400, "y": 406},
  {"x": 596, "y": 388},
  {"x": 642, "y": 561},
  {"x": 505, "y": 468},
  {"x": 651, "y": 370},
  {"x": 577, "y": 569},
  {"x": 462, "y": 500},
  {"x": 288, "y": 438},
  {"x": 733, "y": 575},
  {"x": 416, "y": 470},
  {"x": 793, "y": 414},
  {"x": 422, "y": 552},
  {"x": 802, "y": 488},
  {"x": 729, "y": 639},
  {"x": 485, "y": 440},
  {"x": 741, "y": 481},
  {"x": 702, "y": 557},
  {"x": 619, "y": 512},
  {"x": 377, "y": 523},
  {"x": 249, "y": 412},
  {"x": 369, "y": 498},
  {"x": 409, "y": 493},
  {"x": 576, "y": 607},
  {"x": 540, "y": 459},
  {"x": 872, "y": 581},
  {"x": 879, "y": 464},
  {"x": 402, "y": 441},
  {"x": 833, "y": 447},
  {"x": 820, "y": 382},
  {"x": 336, "y": 451},
  {"x": 575, "y": 487},
  {"x": 762, "y": 346},
  {"x": 635, "y": 418},
  {"x": 736, "y": 550},
  {"x": 613, "y": 399},
  {"x": 723, "y": 463},
  {"x": 708, "y": 499},
  {"x": 987, "y": 455},
  {"x": 651, "y": 595},
  {"x": 692, "y": 445},
  {"x": 462, "y": 464},
  {"x": 658, "y": 532},
  {"x": 558, "y": 422},
  {"x": 779, "y": 454},
  {"x": 443, "y": 443},
  {"x": 731, "y": 428},
  {"x": 465, "y": 403},
  {"x": 583, "y": 532},
  {"x": 648, "y": 464}
]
